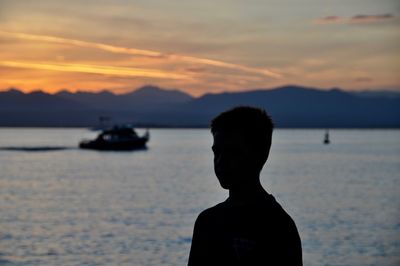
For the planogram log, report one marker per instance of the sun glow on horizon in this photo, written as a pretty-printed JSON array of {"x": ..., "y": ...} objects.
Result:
[{"x": 118, "y": 48}]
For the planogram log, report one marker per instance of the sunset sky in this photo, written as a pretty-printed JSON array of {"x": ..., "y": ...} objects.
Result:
[{"x": 199, "y": 46}]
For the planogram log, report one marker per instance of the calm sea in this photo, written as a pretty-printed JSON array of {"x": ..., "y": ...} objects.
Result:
[{"x": 80, "y": 207}]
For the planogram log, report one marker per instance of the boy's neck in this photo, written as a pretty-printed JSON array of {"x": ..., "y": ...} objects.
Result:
[{"x": 247, "y": 192}]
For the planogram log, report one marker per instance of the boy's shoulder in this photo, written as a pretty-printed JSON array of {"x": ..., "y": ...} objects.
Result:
[
  {"x": 213, "y": 212},
  {"x": 267, "y": 207}
]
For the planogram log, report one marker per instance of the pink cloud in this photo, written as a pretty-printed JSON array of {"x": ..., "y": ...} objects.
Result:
[
  {"x": 330, "y": 20},
  {"x": 357, "y": 19},
  {"x": 370, "y": 18}
]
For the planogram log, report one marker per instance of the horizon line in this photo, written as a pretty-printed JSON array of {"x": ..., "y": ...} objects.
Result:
[{"x": 183, "y": 91}]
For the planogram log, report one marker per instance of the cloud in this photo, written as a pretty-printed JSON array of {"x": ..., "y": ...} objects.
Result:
[
  {"x": 357, "y": 19},
  {"x": 96, "y": 69},
  {"x": 195, "y": 69},
  {"x": 363, "y": 79},
  {"x": 329, "y": 20},
  {"x": 147, "y": 53},
  {"x": 221, "y": 64},
  {"x": 370, "y": 18},
  {"x": 101, "y": 46}
]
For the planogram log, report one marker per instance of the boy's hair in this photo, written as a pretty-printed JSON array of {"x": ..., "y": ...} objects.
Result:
[{"x": 253, "y": 123}]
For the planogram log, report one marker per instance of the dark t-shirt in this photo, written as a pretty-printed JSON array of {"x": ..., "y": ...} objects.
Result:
[{"x": 257, "y": 233}]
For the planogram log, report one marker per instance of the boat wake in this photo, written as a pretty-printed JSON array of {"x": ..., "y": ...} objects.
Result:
[{"x": 36, "y": 148}]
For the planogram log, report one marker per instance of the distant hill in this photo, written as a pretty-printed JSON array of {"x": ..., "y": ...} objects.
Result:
[
  {"x": 145, "y": 98},
  {"x": 384, "y": 93},
  {"x": 289, "y": 106},
  {"x": 13, "y": 99},
  {"x": 295, "y": 106}
]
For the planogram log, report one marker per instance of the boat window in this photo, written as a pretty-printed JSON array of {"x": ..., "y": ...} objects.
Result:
[{"x": 107, "y": 137}]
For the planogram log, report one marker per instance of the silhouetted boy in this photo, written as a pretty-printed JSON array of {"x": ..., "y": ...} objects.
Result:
[{"x": 250, "y": 227}]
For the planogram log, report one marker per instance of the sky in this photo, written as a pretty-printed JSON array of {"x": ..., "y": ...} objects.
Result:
[{"x": 199, "y": 46}]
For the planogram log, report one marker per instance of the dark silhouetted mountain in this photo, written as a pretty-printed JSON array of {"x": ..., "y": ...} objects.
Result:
[
  {"x": 100, "y": 100},
  {"x": 145, "y": 98},
  {"x": 156, "y": 94},
  {"x": 385, "y": 93},
  {"x": 37, "y": 100},
  {"x": 289, "y": 106},
  {"x": 295, "y": 106},
  {"x": 151, "y": 98}
]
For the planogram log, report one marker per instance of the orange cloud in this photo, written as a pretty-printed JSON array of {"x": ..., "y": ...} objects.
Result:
[
  {"x": 95, "y": 69},
  {"x": 216, "y": 63},
  {"x": 141, "y": 52},
  {"x": 105, "y": 47}
]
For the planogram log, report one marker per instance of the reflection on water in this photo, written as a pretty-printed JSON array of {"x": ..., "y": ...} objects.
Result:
[{"x": 75, "y": 207}]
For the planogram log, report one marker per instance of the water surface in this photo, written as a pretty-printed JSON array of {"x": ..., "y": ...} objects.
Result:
[{"x": 60, "y": 205}]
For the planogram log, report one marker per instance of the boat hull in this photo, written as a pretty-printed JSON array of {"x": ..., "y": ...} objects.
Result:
[{"x": 127, "y": 145}]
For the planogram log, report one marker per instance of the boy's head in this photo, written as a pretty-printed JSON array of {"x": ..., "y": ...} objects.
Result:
[{"x": 242, "y": 140}]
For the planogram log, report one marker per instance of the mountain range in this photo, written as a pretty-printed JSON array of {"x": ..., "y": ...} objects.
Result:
[{"x": 151, "y": 106}]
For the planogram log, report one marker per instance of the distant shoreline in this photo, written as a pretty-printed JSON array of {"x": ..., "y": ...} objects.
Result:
[{"x": 289, "y": 106}]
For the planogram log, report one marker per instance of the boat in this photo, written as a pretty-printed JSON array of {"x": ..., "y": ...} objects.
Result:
[
  {"x": 326, "y": 137},
  {"x": 117, "y": 138}
]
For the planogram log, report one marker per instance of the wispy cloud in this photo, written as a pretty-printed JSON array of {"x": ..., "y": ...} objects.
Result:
[
  {"x": 141, "y": 52},
  {"x": 357, "y": 19},
  {"x": 330, "y": 20},
  {"x": 363, "y": 79},
  {"x": 96, "y": 69},
  {"x": 370, "y": 18},
  {"x": 105, "y": 47}
]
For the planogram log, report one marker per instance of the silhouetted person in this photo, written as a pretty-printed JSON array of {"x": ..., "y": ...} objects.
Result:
[{"x": 250, "y": 227}]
